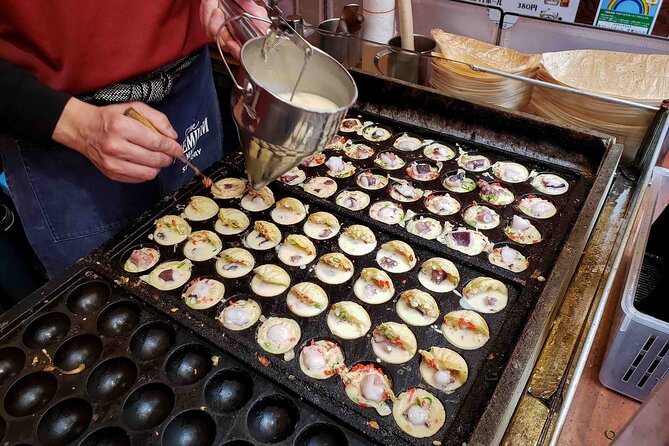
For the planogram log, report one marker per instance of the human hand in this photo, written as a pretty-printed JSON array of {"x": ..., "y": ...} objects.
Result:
[
  {"x": 212, "y": 17},
  {"x": 121, "y": 148}
]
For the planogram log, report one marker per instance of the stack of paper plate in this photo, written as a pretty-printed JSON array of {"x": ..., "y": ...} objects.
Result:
[
  {"x": 634, "y": 77},
  {"x": 459, "y": 80}
]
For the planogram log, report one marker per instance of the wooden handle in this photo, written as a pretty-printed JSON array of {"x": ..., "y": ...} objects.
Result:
[
  {"x": 137, "y": 116},
  {"x": 406, "y": 24}
]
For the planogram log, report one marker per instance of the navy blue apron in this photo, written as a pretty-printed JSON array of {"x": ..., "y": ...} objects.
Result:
[{"x": 68, "y": 207}]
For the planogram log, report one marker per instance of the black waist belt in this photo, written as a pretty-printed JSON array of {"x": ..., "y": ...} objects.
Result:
[{"x": 149, "y": 87}]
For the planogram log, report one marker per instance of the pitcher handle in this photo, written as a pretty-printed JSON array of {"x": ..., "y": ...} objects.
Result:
[
  {"x": 377, "y": 59},
  {"x": 249, "y": 89}
]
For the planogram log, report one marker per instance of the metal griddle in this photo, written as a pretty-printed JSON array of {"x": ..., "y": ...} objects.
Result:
[{"x": 476, "y": 412}]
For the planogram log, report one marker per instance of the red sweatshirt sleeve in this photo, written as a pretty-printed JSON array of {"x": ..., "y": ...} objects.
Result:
[{"x": 27, "y": 106}]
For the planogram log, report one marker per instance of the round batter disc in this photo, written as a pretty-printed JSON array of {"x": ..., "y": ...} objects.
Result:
[
  {"x": 278, "y": 335},
  {"x": 348, "y": 320},
  {"x": 231, "y": 221},
  {"x": 269, "y": 280},
  {"x": 417, "y": 308},
  {"x": 200, "y": 209},
  {"x": 419, "y": 413},
  {"x": 465, "y": 329},
  {"x": 322, "y": 359},
  {"x": 234, "y": 263},
  {"x": 486, "y": 295},
  {"x": 334, "y": 268},
  {"x": 239, "y": 314},
  {"x": 203, "y": 293},
  {"x": 297, "y": 250},
  {"x": 374, "y": 286},
  {"x": 394, "y": 343},
  {"x": 169, "y": 275},
  {"x": 171, "y": 230},
  {"x": 307, "y": 299},
  {"x": 202, "y": 245},
  {"x": 228, "y": 188},
  {"x": 443, "y": 369}
]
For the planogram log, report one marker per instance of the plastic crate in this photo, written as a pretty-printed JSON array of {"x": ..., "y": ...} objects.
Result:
[{"x": 637, "y": 356}]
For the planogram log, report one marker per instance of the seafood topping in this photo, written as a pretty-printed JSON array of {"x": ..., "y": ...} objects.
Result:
[
  {"x": 462, "y": 238},
  {"x": 287, "y": 177},
  {"x": 373, "y": 388},
  {"x": 442, "y": 204},
  {"x": 541, "y": 208},
  {"x": 417, "y": 414},
  {"x": 485, "y": 215},
  {"x": 314, "y": 359},
  {"x": 487, "y": 188},
  {"x": 509, "y": 255},
  {"x": 438, "y": 276},
  {"x": 236, "y": 316},
  {"x": 386, "y": 344},
  {"x": 440, "y": 152},
  {"x": 423, "y": 227},
  {"x": 444, "y": 377},
  {"x": 388, "y": 262},
  {"x": 167, "y": 275},
  {"x": 335, "y": 164},
  {"x": 406, "y": 190},
  {"x": 475, "y": 163},
  {"x": 368, "y": 180},
  {"x": 349, "y": 123},
  {"x": 422, "y": 169},
  {"x": 388, "y": 213},
  {"x": 457, "y": 179},
  {"x": 141, "y": 258},
  {"x": 390, "y": 159},
  {"x": 520, "y": 224},
  {"x": 553, "y": 183},
  {"x": 278, "y": 333},
  {"x": 379, "y": 133},
  {"x": 351, "y": 202}
]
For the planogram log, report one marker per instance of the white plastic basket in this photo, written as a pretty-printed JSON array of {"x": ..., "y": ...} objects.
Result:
[{"x": 637, "y": 356}]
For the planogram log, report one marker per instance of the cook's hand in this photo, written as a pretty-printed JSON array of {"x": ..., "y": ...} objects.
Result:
[
  {"x": 212, "y": 17},
  {"x": 120, "y": 147}
]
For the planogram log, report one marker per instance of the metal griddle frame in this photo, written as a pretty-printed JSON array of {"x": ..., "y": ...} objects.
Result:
[{"x": 590, "y": 154}]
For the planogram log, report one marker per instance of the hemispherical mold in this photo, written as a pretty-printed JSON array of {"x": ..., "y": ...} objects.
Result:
[
  {"x": 107, "y": 436},
  {"x": 272, "y": 419},
  {"x": 152, "y": 340},
  {"x": 118, "y": 318},
  {"x": 112, "y": 378},
  {"x": 188, "y": 364},
  {"x": 237, "y": 443},
  {"x": 88, "y": 298},
  {"x": 3, "y": 428},
  {"x": 46, "y": 330},
  {"x": 82, "y": 349},
  {"x": 190, "y": 428},
  {"x": 148, "y": 406},
  {"x": 64, "y": 422},
  {"x": 228, "y": 390},
  {"x": 321, "y": 434},
  {"x": 12, "y": 360},
  {"x": 30, "y": 394}
]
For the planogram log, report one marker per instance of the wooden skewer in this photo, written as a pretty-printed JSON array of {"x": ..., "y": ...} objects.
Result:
[{"x": 137, "y": 116}]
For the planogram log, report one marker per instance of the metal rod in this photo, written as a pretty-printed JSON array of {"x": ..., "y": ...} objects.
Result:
[
  {"x": 555, "y": 86},
  {"x": 633, "y": 209},
  {"x": 650, "y": 141}
]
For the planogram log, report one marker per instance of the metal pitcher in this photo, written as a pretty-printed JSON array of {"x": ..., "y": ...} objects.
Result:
[{"x": 276, "y": 134}]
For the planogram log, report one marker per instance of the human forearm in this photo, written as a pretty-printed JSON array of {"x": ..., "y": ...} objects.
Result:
[{"x": 27, "y": 106}]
